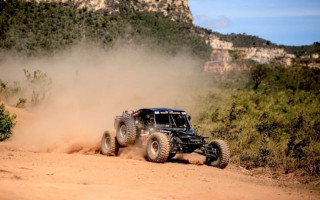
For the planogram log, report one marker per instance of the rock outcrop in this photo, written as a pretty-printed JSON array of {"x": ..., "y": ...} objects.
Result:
[
  {"x": 216, "y": 43},
  {"x": 265, "y": 55},
  {"x": 177, "y": 10},
  {"x": 259, "y": 54},
  {"x": 221, "y": 62}
]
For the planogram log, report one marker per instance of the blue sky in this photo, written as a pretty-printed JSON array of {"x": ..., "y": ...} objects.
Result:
[{"x": 289, "y": 22}]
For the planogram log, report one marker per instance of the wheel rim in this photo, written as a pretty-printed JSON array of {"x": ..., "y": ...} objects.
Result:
[
  {"x": 107, "y": 142},
  {"x": 154, "y": 147},
  {"x": 123, "y": 131},
  {"x": 215, "y": 161},
  {"x": 218, "y": 154}
]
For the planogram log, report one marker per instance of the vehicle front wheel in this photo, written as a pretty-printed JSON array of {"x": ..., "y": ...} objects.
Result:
[
  {"x": 223, "y": 154},
  {"x": 158, "y": 148},
  {"x": 109, "y": 144}
]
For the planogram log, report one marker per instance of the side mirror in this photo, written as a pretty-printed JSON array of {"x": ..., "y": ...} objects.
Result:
[{"x": 189, "y": 117}]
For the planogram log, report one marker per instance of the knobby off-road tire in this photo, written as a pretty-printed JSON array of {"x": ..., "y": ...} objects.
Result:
[
  {"x": 126, "y": 131},
  {"x": 223, "y": 152},
  {"x": 109, "y": 144},
  {"x": 158, "y": 148}
]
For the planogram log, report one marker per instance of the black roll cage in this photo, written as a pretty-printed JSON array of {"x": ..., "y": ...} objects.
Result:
[{"x": 172, "y": 121}]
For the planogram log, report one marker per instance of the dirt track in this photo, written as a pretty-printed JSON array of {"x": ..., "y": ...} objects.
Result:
[{"x": 27, "y": 175}]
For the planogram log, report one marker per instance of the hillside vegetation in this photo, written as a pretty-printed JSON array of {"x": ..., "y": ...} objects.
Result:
[
  {"x": 35, "y": 28},
  {"x": 271, "y": 119},
  {"x": 247, "y": 41}
]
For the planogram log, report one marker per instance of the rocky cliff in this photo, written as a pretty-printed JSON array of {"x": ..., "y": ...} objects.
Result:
[
  {"x": 259, "y": 54},
  {"x": 221, "y": 61},
  {"x": 177, "y": 10}
]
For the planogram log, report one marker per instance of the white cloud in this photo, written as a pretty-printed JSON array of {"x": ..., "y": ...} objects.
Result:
[{"x": 221, "y": 22}]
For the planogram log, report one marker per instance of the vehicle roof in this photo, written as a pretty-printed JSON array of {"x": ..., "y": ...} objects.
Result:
[{"x": 163, "y": 109}]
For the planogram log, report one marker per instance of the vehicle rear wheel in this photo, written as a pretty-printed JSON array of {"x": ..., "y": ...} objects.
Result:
[
  {"x": 158, "y": 148},
  {"x": 126, "y": 132},
  {"x": 109, "y": 144},
  {"x": 223, "y": 154}
]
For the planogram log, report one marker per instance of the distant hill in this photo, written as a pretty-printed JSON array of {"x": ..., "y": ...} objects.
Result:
[
  {"x": 47, "y": 26},
  {"x": 247, "y": 41},
  {"x": 32, "y": 27},
  {"x": 303, "y": 50}
]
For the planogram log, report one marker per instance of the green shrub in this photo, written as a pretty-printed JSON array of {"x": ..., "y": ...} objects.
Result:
[
  {"x": 21, "y": 103},
  {"x": 258, "y": 73},
  {"x": 274, "y": 124},
  {"x": 7, "y": 122}
]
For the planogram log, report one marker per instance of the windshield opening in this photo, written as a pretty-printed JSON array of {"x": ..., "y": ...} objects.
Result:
[{"x": 171, "y": 120}]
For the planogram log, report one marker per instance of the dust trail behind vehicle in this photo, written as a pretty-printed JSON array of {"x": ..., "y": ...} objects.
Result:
[{"x": 91, "y": 85}]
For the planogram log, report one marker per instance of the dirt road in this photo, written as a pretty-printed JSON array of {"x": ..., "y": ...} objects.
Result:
[{"x": 28, "y": 175}]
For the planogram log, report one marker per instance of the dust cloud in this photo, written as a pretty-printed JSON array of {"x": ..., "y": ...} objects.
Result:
[
  {"x": 91, "y": 85},
  {"x": 193, "y": 158},
  {"x": 133, "y": 152}
]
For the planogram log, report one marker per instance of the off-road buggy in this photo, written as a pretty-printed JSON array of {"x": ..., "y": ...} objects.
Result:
[{"x": 163, "y": 132}]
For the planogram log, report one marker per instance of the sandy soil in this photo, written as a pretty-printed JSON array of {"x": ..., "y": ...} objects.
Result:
[{"x": 28, "y": 175}]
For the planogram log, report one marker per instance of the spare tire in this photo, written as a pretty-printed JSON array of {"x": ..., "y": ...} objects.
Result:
[
  {"x": 109, "y": 144},
  {"x": 126, "y": 131},
  {"x": 158, "y": 148},
  {"x": 223, "y": 154}
]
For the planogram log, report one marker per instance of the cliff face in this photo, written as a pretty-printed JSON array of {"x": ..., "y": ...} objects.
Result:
[
  {"x": 174, "y": 9},
  {"x": 221, "y": 61},
  {"x": 259, "y": 54}
]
